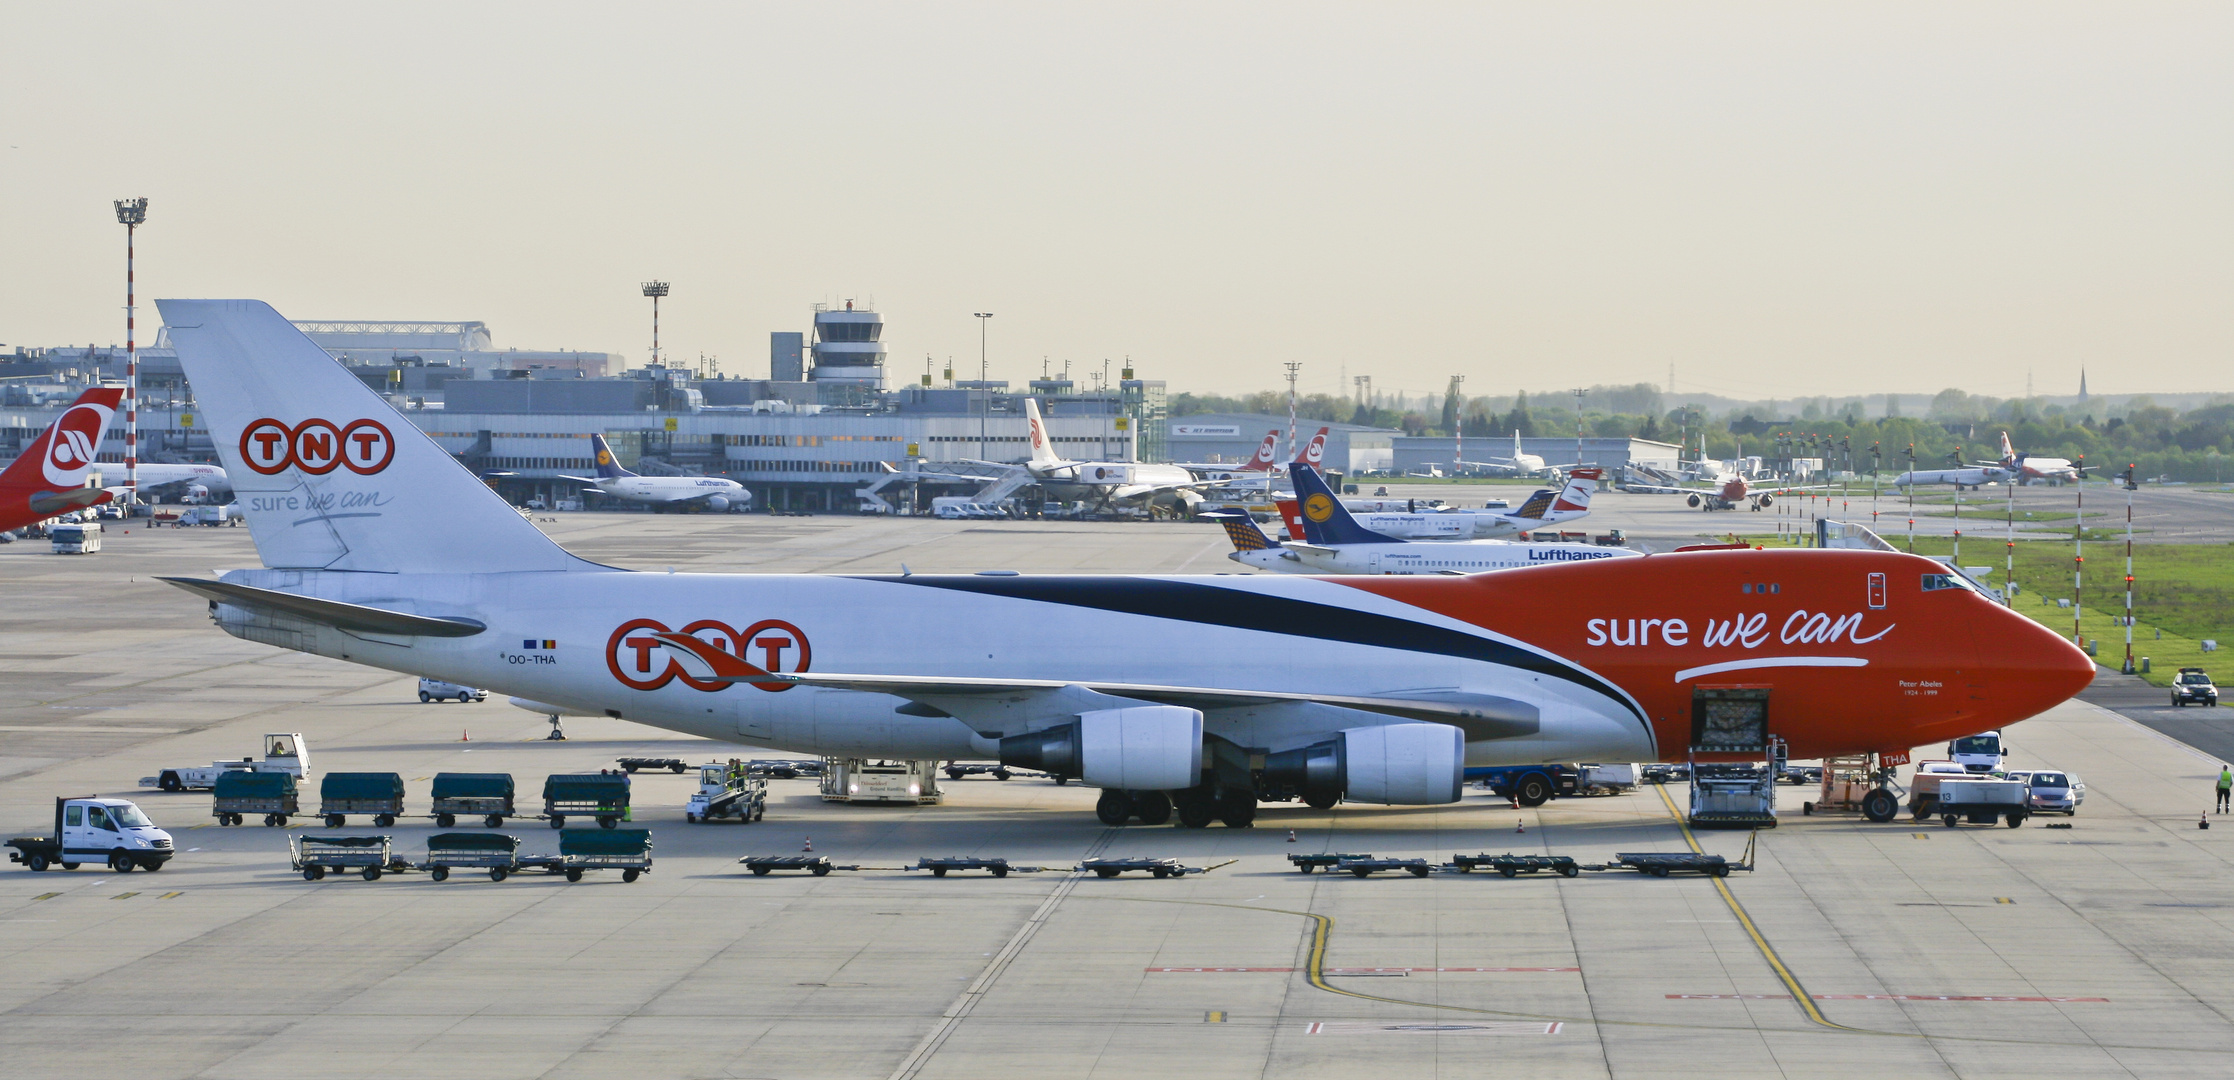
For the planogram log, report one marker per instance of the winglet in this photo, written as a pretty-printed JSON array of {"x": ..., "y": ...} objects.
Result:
[{"x": 724, "y": 666}]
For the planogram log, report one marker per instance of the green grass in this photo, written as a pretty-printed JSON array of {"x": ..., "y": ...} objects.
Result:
[{"x": 2184, "y": 591}]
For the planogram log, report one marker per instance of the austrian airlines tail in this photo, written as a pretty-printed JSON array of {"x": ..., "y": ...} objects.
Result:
[
  {"x": 329, "y": 475},
  {"x": 48, "y": 478}
]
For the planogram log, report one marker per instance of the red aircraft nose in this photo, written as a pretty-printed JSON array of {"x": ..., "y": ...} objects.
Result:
[{"x": 2027, "y": 668}]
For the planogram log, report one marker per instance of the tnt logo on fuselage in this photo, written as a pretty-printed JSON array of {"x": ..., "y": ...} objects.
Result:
[
  {"x": 640, "y": 662},
  {"x": 317, "y": 446}
]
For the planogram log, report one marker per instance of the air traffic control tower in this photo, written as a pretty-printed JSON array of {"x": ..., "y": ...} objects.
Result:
[{"x": 847, "y": 351}]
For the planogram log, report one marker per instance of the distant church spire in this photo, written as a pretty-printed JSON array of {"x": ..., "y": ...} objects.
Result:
[{"x": 2082, "y": 384}]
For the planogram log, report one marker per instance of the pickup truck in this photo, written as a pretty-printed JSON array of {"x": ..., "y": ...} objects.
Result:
[
  {"x": 112, "y": 830},
  {"x": 287, "y": 753}
]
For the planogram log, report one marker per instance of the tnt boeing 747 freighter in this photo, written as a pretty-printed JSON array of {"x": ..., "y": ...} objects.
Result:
[{"x": 1195, "y": 696}]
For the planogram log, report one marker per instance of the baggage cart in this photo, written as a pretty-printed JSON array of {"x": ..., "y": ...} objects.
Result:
[
  {"x": 626, "y": 850},
  {"x": 487, "y": 796},
  {"x": 379, "y": 794},
  {"x": 603, "y": 796},
  {"x": 818, "y": 865},
  {"x": 1324, "y": 860},
  {"x": 369, "y": 856},
  {"x": 1511, "y": 865},
  {"x": 1983, "y": 801},
  {"x": 1369, "y": 867},
  {"x": 495, "y": 852},
  {"x": 1163, "y": 868},
  {"x": 1663, "y": 863},
  {"x": 996, "y": 867},
  {"x": 631, "y": 764},
  {"x": 271, "y": 794}
]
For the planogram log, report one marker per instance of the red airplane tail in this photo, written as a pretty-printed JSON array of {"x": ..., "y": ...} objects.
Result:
[
  {"x": 1314, "y": 452},
  {"x": 1267, "y": 454},
  {"x": 48, "y": 478}
]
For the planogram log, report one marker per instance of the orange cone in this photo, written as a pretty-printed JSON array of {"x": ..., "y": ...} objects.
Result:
[
  {"x": 1291, "y": 836},
  {"x": 1520, "y": 825},
  {"x": 463, "y": 737},
  {"x": 810, "y": 844}
]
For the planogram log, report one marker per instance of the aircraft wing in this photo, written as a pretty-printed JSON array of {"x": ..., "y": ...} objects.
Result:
[
  {"x": 1481, "y": 716},
  {"x": 332, "y": 613},
  {"x": 579, "y": 479}
]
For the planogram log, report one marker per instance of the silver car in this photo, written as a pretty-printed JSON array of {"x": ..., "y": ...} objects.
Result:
[
  {"x": 2054, "y": 792},
  {"x": 436, "y": 690}
]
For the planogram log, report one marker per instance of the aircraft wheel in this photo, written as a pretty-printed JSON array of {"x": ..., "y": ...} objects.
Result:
[
  {"x": 1237, "y": 808},
  {"x": 1197, "y": 808},
  {"x": 1113, "y": 807},
  {"x": 1153, "y": 807},
  {"x": 1880, "y": 806}
]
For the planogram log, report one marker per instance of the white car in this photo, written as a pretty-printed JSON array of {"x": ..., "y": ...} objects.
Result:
[{"x": 436, "y": 690}]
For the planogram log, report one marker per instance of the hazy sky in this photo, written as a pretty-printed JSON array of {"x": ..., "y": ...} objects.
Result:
[{"x": 1779, "y": 199}]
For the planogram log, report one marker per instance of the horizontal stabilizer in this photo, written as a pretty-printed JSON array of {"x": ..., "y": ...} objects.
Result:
[{"x": 334, "y": 613}]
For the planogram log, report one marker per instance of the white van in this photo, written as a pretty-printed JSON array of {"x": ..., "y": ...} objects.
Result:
[{"x": 79, "y": 538}]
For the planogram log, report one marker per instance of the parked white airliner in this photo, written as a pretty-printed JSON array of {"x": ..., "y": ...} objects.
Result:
[
  {"x": 682, "y": 492},
  {"x": 1200, "y": 695}
]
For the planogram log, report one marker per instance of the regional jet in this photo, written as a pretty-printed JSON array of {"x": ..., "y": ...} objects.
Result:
[
  {"x": 1182, "y": 697},
  {"x": 662, "y": 492}
]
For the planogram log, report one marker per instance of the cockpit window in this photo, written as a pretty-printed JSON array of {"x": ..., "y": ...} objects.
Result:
[{"x": 1936, "y": 582}]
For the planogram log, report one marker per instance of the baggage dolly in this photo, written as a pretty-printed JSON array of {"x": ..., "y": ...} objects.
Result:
[
  {"x": 370, "y": 856},
  {"x": 626, "y": 850},
  {"x": 631, "y": 764},
  {"x": 487, "y": 796},
  {"x": 818, "y": 865},
  {"x": 1367, "y": 867},
  {"x": 494, "y": 852},
  {"x": 379, "y": 794},
  {"x": 1511, "y": 865},
  {"x": 603, "y": 796},
  {"x": 271, "y": 794},
  {"x": 1324, "y": 860},
  {"x": 996, "y": 867},
  {"x": 1163, "y": 868}
]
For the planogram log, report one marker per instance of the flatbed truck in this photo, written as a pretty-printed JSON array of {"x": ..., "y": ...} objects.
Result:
[{"x": 96, "y": 829}]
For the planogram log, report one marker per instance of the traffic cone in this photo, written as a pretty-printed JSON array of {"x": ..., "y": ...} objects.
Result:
[
  {"x": 810, "y": 844},
  {"x": 1291, "y": 836},
  {"x": 2202, "y": 821},
  {"x": 1515, "y": 800},
  {"x": 463, "y": 737},
  {"x": 1520, "y": 825}
]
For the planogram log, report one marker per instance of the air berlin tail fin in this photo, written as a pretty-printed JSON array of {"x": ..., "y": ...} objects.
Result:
[
  {"x": 1043, "y": 449},
  {"x": 1314, "y": 452},
  {"x": 329, "y": 474},
  {"x": 1268, "y": 452},
  {"x": 58, "y": 459}
]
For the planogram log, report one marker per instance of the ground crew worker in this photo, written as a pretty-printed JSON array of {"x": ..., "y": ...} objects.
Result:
[{"x": 2225, "y": 785}]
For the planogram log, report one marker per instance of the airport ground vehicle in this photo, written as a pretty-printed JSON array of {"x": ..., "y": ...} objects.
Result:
[
  {"x": 1856, "y": 783},
  {"x": 379, "y": 794},
  {"x": 487, "y": 796},
  {"x": 85, "y": 830},
  {"x": 1984, "y": 752},
  {"x": 369, "y": 856},
  {"x": 603, "y": 796},
  {"x": 1981, "y": 801},
  {"x": 221, "y": 514},
  {"x": 285, "y": 752},
  {"x": 1725, "y": 795},
  {"x": 728, "y": 789},
  {"x": 495, "y": 852},
  {"x": 862, "y": 780},
  {"x": 436, "y": 690},
  {"x": 76, "y": 538},
  {"x": 2051, "y": 791},
  {"x": 626, "y": 850},
  {"x": 272, "y": 794},
  {"x": 1530, "y": 785},
  {"x": 2193, "y": 687},
  {"x": 1606, "y": 779}
]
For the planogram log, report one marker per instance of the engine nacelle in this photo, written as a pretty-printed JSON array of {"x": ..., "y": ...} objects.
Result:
[
  {"x": 1399, "y": 764},
  {"x": 1766, "y": 501},
  {"x": 1143, "y": 748},
  {"x": 716, "y": 503},
  {"x": 1692, "y": 502}
]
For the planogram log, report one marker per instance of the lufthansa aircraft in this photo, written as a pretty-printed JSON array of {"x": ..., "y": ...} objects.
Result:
[
  {"x": 381, "y": 550},
  {"x": 662, "y": 492}
]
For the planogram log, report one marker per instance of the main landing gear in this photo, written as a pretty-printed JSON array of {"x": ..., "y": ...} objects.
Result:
[{"x": 1196, "y": 807}]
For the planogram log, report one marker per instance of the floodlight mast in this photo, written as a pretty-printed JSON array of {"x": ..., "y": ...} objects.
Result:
[
  {"x": 130, "y": 213},
  {"x": 655, "y": 290}
]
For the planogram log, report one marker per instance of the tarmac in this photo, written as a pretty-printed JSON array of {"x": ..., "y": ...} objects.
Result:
[{"x": 1905, "y": 949}]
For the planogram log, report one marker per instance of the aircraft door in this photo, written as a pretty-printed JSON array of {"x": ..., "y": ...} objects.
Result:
[{"x": 1730, "y": 720}]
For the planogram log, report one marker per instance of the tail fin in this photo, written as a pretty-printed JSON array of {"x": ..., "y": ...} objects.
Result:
[
  {"x": 58, "y": 459},
  {"x": 1043, "y": 451},
  {"x": 2008, "y": 452},
  {"x": 1314, "y": 452},
  {"x": 1325, "y": 519},
  {"x": 1575, "y": 500},
  {"x": 330, "y": 475},
  {"x": 1268, "y": 452},
  {"x": 1242, "y": 530},
  {"x": 608, "y": 466}
]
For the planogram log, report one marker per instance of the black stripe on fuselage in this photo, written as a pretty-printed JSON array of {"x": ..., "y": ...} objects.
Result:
[{"x": 1244, "y": 610}]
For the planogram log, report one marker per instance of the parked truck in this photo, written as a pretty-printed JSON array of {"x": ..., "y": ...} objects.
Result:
[
  {"x": 284, "y": 751},
  {"x": 110, "y": 830}
]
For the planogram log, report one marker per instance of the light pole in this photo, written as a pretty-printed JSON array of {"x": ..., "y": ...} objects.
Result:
[
  {"x": 985, "y": 417},
  {"x": 130, "y": 213},
  {"x": 655, "y": 290},
  {"x": 1293, "y": 367},
  {"x": 2130, "y": 486}
]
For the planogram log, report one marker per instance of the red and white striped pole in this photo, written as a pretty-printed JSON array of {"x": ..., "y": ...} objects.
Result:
[{"x": 131, "y": 213}]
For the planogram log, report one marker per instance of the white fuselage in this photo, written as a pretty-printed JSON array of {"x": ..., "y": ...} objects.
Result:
[
  {"x": 1111, "y": 480},
  {"x": 1075, "y": 629},
  {"x": 1970, "y": 477},
  {"x": 1452, "y": 558},
  {"x": 154, "y": 475},
  {"x": 673, "y": 489},
  {"x": 1460, "y": 524}
]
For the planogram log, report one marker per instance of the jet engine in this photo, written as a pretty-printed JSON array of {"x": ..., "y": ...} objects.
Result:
[
  {"x": 1400, "y": 764},
  {"x": 716, "y": 503},
  {"x": 1692, "y": 502},
  {"x": 1766, "y": 501},
  {"x": 1144, "y": 748}
]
